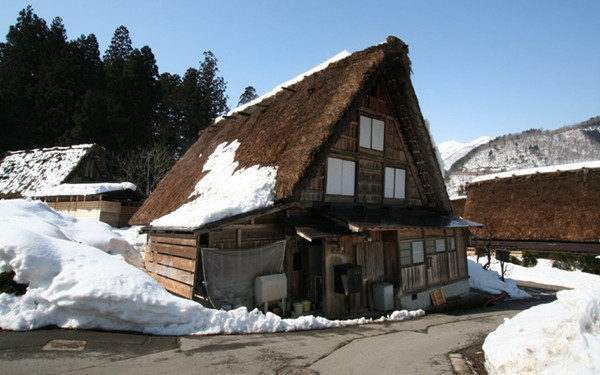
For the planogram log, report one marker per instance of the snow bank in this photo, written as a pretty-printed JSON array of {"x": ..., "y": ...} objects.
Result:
[
  {"x": 489, "y": 281},
  {"x": 85, "y": 189},
  {"x": 136, "y": 239},
  {"x": 224, "y": 191},
  {"x": 562, "y": 337},
  {"x": 544, "y": 273},
  {"x": 73, "y": 284}
]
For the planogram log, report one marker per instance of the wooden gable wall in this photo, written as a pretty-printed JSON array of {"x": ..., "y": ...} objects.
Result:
[{"x": 370, "y": 164}]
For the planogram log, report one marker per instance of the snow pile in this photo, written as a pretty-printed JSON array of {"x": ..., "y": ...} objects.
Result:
[
  {"x": 224, "y": 191},
  {"x": 562, "y": 337},
  {"x": 338, "y": 57},
  {"x": 451, "y": 151},
  {"x": 72, "y": 284},
  {"x": 30, "y": 171},
  {"x": 489, "y": 281},
  {"x": 136, "y": 239},
  {"x": 549, "y": 169},
  {"x": 85, "y": 189}
]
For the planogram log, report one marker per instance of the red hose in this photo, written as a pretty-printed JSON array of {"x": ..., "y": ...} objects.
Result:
[{"x": 496, "y": 298}]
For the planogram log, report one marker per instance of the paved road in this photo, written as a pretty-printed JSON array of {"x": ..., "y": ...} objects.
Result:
[{"x": 418, "y": 346}]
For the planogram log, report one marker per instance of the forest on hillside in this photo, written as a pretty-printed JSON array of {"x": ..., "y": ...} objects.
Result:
[
  {"x": 529, "y": 149},
  {"x": 59, "y": 92}
]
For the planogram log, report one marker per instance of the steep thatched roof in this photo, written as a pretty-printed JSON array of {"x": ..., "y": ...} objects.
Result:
[
  {"x": 28, "y": 172},
  {"x": 294, "y": 129},
  {"x": 553, "y": 206}
]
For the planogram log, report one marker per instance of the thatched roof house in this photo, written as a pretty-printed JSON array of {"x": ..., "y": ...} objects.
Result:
[
  {"x": 338, "y": 163},
  {"x": 551, "y": 208},
  {"x": 73, "y": 179},
  {"x": 295, "y": 129},
  {"x": 29, "y": 172}
]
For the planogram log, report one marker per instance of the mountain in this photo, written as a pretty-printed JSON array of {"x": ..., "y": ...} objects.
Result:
[
  {"x": 451, "y": 151},
  {"x": 529, "y": 149}
]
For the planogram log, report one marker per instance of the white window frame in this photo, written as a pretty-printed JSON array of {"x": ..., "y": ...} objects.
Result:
[
  {"x": 395, "y": 183},
  {"x": 340, "y": 177},
  {"x": 371, "y": 133}
]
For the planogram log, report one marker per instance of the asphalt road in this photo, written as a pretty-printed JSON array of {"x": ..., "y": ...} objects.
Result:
[{"x": 417, "y": 346}]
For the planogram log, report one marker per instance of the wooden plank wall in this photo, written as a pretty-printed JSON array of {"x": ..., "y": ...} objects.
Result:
[
  {"x": 80, "y": 210},
  {"x": 370, "y": 163},
  {"x": 414, "y": 277},
  {"x": 110, "y": 213},
  {"x": 171, "y": 260},
  {"x": 370, "y": 181},
  {"x": 126, "y": 213},
  {"x": 257, "y": 232},
  {"x": 439, "y": 268}
]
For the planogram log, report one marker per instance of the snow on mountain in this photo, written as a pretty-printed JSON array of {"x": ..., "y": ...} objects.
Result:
[
  {"x": 533, "y": 148},
  {"x": 451, "y": 151}
]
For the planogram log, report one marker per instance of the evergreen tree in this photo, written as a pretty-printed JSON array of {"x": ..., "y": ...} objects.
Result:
[
  {"x": 20, "y": 60},
  {"x": 170, "y": 114},
  {"x": 56, "y": 86},
  {"x": 248, "y": 95},
  {"x": 203, "y": 97},
  {"x": 132, "y": 93},
  {"x": 89, "y": 115}
]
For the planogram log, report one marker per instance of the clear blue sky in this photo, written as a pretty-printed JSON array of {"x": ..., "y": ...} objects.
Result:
[{"x": 479, "y": 67}]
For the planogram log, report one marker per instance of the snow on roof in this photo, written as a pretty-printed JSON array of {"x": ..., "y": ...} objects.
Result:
[
  {"x": 29, "y": 171},
  {"x": 323, "y": 65},
  {"x": 85, "y": 189},
  {"x": 549, "y": 169},
  {"x": 224, "y": 191}
]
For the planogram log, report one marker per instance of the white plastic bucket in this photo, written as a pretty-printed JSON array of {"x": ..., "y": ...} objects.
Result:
[{"x": 297, "y": 308}]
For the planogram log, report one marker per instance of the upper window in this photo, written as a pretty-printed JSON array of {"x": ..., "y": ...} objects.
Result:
[
  {"x": 340, "y": 176},
  {"x": 395, "y": 183},
  {"x": 371, "y": 133}
]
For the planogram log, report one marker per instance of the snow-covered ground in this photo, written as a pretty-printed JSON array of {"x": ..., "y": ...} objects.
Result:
[
  {"x": 75, "y": 282},
  {"x": 558, "y": 337},
  {"x": 77, "y": 278}
]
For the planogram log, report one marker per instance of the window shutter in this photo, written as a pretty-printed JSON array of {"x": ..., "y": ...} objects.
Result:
[
  {"x": 400, "y": 184},
  {"x": 365, "y": 132},
  {"x": 389, "y": 183},
  {"x": 377, "y": 135},
  {"x": 417, "y": 249},
  {"x": 334, "y": 176},
  {"x": 348, "y": 171}
]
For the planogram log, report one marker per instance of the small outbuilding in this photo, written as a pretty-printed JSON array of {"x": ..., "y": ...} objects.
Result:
[
  {"x": 330, "y": 181},
  {"x": 74, "y": 180},
  {"x": 546, "y": 209}
]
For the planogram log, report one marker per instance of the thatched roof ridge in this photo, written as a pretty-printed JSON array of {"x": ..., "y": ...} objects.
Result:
[
  {"x": 558, "y": 206},
  {"x": 294, "y": 129}
]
